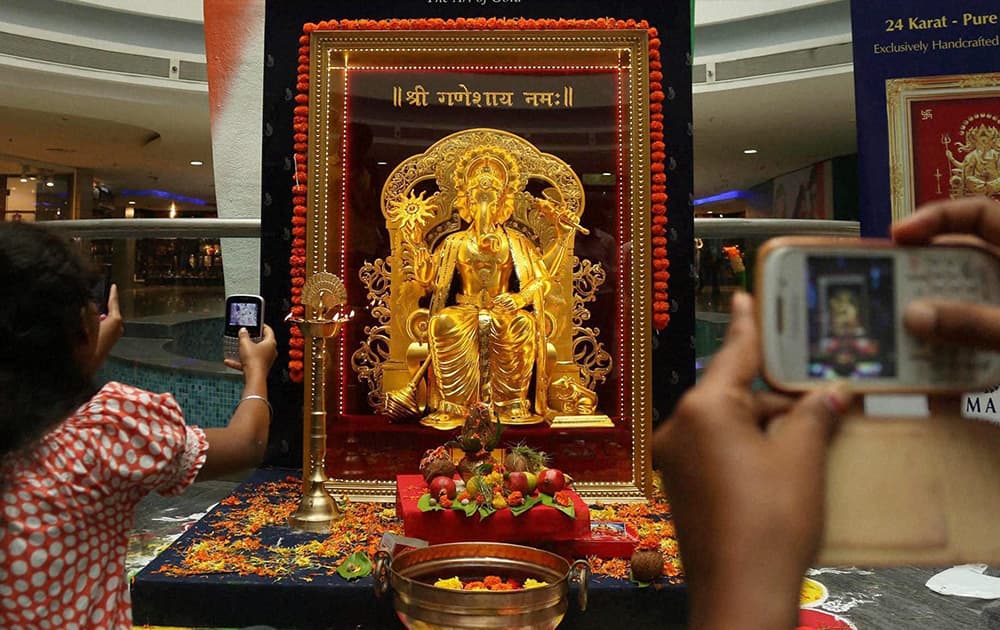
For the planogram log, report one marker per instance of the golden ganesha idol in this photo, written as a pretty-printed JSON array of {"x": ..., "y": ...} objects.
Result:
[{"x": 481, "y": 299}]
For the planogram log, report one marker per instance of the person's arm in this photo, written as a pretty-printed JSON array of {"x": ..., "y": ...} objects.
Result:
[
  {"x": 744, "y": 475},
  {"x": 109, "y": 331},
  {"x": 961, "y": 323},
  {"x": 241, "y": 445}
]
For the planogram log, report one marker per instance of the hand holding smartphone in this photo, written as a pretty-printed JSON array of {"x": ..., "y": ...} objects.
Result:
[
  {"x": 899, "y": 490},
  {"x": 832, "y": 308},
  {"x": 242, "y": 311}
]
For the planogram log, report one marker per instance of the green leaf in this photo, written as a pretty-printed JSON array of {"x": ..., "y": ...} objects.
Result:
[
  {"x": 548, "y": 500},
  {"x": 485, "y": 511},
  {"x": 637, "y": 582},
  {"x": 470, "y": 508},
  {"x": 357, "y": 565},
  {"x": 529, "y": 502},
  {"x": 424, "y": 503}
]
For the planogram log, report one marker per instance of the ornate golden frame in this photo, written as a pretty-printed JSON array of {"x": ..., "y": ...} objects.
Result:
[
  {"x": 899, "y": 94},
  {"x": 332, "y": 56}
]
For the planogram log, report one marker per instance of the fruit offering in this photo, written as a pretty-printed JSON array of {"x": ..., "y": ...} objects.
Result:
[
  {"x": 551, "y": 481},
  {"x": 519, "y": 483},
  {"x": 442, "y": 486}
]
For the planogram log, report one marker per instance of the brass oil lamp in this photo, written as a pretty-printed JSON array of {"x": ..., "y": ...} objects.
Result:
[{"x": 324, "y": 298}]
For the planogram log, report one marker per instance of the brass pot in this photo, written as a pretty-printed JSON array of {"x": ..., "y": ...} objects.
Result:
[{"x": 422, "y": 606}]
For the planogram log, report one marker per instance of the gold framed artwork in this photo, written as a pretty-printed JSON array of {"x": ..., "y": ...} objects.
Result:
[
  {"x": 944, "y": 138},
  {"x": 485, "y": 196}
]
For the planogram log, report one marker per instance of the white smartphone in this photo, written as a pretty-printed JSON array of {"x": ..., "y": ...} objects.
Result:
[
  {"x": 242, "y": 311},
  {"x": 831, "y": 308}
]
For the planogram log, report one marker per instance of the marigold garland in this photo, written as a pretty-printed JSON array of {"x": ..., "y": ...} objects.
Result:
[
  {"x": 236, "y": 545},
  {"x": 251, "y": 514},
  {"x": 300, "y": 125}
]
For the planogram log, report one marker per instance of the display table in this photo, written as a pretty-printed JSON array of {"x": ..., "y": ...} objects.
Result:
[
  {"x": 540, "y": 523},
  {"x": 239, "y": 566}
]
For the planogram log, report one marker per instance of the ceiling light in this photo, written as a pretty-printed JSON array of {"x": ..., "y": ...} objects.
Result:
[
  {"x": 49, "y": 182},
  {"x": 131, "y": 203},
  {"x": 749, "y": 151},
  {"x": 383, "y": 163},
  {"x": 24, "y": 179},
  {"x": 196, "y": 162}
]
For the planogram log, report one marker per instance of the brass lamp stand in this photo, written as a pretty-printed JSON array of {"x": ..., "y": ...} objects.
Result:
[{"x": 323, "y": 296}]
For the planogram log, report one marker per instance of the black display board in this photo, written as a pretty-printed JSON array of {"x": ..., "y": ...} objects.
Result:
[{"x": 673, "y": 348}]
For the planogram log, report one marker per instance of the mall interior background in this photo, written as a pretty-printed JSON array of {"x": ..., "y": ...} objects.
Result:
[{"x": 104, "y": 113}]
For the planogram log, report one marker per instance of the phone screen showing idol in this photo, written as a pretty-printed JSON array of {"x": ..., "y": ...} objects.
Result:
[
  {"x": 244, "y": 312},
  {"x": 851, "y": 305}
]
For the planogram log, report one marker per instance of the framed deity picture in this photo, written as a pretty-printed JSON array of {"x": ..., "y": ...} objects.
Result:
[
  {"x": 944, "y": 138},
  {"x": 485, "y": 196}
]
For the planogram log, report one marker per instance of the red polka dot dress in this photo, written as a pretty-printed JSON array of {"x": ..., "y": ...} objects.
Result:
[{"x": 66, "y": 507}]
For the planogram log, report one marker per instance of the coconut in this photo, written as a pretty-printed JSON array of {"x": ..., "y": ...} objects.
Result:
[
  {"x": 515, "y": 462},
  {"x": 521, "y": 458},
  {"x": 472, "y": 463},
  {"x": 437, "y": 467},
  {"x": 647, "y": 565}
]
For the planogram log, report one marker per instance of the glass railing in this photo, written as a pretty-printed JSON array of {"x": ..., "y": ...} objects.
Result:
[
  {"x": 725, "y": 258},
  {"x": 172, "y": 291},
  {"x": 170, "y": 274}
]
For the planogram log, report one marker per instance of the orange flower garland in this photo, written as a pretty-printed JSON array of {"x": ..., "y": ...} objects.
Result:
[
  {"x": 237, "y": 541},
  {"x": 300, "y": 125},
  {"x": 241, "y": 535}
]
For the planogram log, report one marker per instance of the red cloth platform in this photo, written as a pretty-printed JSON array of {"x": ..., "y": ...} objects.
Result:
[{"x": 539, "y": 524}]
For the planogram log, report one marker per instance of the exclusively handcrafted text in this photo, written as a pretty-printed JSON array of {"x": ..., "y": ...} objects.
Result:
[{"x": 922, "y": 46}]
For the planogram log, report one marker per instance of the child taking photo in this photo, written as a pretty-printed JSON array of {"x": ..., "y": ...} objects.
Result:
[{"x": 74, "y": 459}]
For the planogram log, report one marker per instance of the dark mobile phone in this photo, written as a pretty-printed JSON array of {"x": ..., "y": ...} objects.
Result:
[
  {"x": 102, "y": 288},
  {"x": 244, "y": 311}
]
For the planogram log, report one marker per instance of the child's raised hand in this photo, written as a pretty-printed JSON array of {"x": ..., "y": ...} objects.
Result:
[
  {"x": 111, "y": 328},
  {"x": 255, "y": 357}
]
